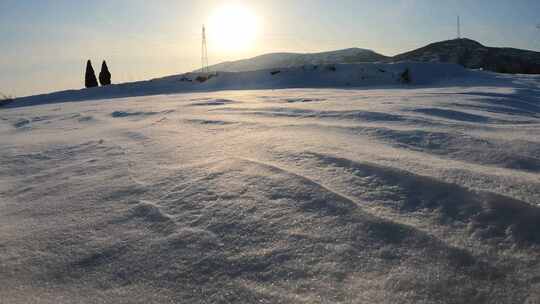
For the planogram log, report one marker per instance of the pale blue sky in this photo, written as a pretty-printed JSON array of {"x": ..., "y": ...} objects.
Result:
[{"x": 45, "y": 43}]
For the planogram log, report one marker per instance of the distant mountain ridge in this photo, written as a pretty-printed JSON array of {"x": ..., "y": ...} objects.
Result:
[
  {"x": 472, "y": 54},
  {"x": 466, "y": 52},
  {"x": 287, "y": 60}
]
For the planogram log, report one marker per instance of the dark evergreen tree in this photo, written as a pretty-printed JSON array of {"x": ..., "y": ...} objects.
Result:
[
  {"x": 90, "y": 80},
  {"x": 104, "y": 75}
]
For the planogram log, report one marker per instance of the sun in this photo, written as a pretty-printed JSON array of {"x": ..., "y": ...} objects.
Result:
[{"x": 232, "y": 29}]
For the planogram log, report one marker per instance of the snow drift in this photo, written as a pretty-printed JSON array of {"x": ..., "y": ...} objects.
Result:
[{"x": 422, "y": 193}]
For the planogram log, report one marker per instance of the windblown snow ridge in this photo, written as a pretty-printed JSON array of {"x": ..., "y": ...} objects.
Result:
[{"x": 402, "y": 194}]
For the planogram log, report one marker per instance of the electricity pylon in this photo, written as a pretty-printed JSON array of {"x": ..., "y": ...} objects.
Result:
[{"x": 204, "y": 53}]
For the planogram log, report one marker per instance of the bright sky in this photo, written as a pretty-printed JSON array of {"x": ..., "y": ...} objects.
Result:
[{"x": 44, "y": 44}]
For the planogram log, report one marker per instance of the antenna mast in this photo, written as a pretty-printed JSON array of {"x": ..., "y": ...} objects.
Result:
[
  {"x": 458, "y": 27},
  {"x": 204, "y": 53}
]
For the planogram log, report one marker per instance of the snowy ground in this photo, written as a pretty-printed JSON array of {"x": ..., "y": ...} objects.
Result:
[{"x": 395, "y": 195}]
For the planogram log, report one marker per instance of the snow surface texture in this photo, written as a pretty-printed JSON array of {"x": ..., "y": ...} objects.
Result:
[{"x": 420, "y": 194}]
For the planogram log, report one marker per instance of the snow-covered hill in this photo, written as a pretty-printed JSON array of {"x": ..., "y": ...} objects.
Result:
[
  {"x": 377, "y": 192},
  {"x": 474, "y": 55},
  {"x": 465, "y": 52},
  {"x": 288, "y": 60},
  {"x": 367, "y": 75}
]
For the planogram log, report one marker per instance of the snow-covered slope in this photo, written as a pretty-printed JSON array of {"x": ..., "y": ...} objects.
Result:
[
  {"x": 393, "y": 194},
  {"x": 287, "y": 60},
  {"x": 306, "y": 76}
]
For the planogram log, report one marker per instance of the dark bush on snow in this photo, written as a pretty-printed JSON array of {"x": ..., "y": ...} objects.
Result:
[
  {"x": 405, "y": 77},
  {"x": 185, "y": 78},
  {"x": 331, "y": 68},
  {"x": 90, "y": 79},
  {"x": 5, "y": 99},
  {"x": 201, "y": 78},
  {"x": 204, "y": 78}
]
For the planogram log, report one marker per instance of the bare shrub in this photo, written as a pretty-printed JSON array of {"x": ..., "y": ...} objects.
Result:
[{"x": 5, "y": 99}]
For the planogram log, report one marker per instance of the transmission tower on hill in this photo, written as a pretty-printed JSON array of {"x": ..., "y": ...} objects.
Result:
[
  {"x": 458, "y": 27},
  {"x": 204, "y": 53}
]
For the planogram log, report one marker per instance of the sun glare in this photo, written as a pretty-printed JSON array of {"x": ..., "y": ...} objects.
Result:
[{"x": 232, "y": 29}]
